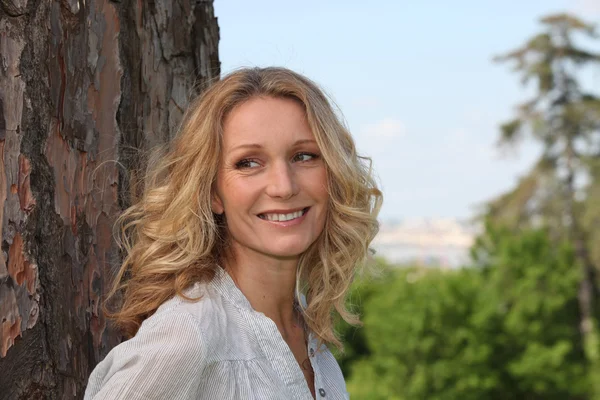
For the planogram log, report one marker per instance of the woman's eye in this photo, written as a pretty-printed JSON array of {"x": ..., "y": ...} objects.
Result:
[
  {"x": 246, "y": 163},
  {"x": 305, "y": 157}
]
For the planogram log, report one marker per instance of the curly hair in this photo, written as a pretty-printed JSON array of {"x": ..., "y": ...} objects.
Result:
[{"x": 172, "y": 239}]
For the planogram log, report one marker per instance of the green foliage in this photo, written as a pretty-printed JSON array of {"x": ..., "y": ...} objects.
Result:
[
  {"x": 421, "y": 343},
  {"x": 506, "y": 329},
  {"x": 531, "y": 287},
  {"x": 591, "y": 207},
  {"x": 509, "y": 326},
  {"x": 565, "y": 119},
  {"x": 511, "y": 129},
  {"x": 355, "y": 347}
]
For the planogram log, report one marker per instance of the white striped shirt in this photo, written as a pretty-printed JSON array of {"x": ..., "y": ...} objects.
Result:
[{"x": 216, "y": 348}]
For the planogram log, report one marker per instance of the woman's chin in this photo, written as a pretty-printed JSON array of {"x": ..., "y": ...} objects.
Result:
[{"x": 286, "y": 252}]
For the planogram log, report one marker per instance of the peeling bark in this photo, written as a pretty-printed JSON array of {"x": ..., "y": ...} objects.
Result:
[{"x": 85, "y": 87}]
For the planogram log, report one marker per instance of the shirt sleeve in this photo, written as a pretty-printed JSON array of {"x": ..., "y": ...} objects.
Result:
[{"x": 164, "y": 360}]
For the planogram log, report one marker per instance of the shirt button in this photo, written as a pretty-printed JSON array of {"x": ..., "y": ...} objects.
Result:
[
  {"x": 322, "y": 392},
  {"x": 312, "y": 352}
]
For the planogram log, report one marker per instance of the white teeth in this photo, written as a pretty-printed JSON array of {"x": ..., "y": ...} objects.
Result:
[{"x": 283, "y": 217}]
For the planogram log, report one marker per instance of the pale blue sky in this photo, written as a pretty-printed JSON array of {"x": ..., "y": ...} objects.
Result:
[{"x": 414, "y": 80}]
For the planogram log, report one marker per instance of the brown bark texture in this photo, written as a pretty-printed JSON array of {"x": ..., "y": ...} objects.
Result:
[{"x": 85, "y": 86}]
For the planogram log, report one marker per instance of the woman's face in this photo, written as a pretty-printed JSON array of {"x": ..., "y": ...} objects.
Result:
[{"x": 272, "y": 183}]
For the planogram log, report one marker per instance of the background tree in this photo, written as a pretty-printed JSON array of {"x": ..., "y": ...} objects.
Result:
[
  {"x": 558, "y": 192},
  {"x": 85, "y": 88},
  {"x": 521, "y": 322},
  {"x": 504, "y": 330},
  {"x": 528, "y": 312}
]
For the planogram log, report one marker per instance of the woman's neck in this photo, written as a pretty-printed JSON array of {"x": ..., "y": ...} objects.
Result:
[{"x": 268, "y": 283}]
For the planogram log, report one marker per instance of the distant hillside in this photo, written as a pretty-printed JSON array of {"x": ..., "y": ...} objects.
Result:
[{"x": 441, "y": 242}]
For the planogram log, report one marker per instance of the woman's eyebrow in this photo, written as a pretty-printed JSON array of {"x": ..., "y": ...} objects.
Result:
[
  {"x": 259, "y": 146},
  {"x": 305, "y": 141},
  {"x": 247, "y": 145}
]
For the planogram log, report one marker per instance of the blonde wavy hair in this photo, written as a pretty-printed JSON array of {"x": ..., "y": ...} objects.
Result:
[{"x": 172, "y": 239}]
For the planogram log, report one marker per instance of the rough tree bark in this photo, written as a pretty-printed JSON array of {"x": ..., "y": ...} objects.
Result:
[{"x": 84, "y": 86}]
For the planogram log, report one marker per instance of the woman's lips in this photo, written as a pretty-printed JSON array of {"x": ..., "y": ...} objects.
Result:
[{"x": 285, "y": 223}]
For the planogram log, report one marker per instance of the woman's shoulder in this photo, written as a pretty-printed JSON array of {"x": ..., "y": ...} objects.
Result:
[
  {"x": 154, "y": 362},
  {"x": 180, "y": 316},
  {"x": 176, "y": 339},
  {"x": 200, "y": 303}
]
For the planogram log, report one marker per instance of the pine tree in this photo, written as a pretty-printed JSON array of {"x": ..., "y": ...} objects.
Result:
[{"x": 565, "y": 119}]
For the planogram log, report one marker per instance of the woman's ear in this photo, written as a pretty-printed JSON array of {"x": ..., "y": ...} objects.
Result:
[{"x": 217, "y": 203}]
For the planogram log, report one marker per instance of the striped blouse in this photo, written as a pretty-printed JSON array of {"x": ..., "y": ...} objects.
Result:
[{"x": 216, "y": 348}]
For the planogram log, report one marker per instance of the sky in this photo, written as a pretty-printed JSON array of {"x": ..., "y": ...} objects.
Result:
[{"x": 414, "y": 81}]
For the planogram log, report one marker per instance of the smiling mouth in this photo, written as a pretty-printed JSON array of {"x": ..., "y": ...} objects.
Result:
[{"x": 277, "y": 217}]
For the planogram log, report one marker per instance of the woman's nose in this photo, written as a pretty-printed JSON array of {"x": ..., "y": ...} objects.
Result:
[{"x": 282, "y": 181}]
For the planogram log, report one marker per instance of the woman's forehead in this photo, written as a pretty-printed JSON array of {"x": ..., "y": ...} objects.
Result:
[{"x": 264, "y": 120}]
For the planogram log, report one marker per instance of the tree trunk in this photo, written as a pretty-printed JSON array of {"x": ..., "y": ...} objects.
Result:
[
  {"x": 85, "y": 85},
  {"x": 587, "y": 293}
]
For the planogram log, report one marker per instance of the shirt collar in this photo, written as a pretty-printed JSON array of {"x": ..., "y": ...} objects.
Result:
[{"x": 227, "y": 288}]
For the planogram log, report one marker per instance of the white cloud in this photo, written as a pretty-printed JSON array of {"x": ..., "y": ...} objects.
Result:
[
  {"x": 587, "y": 8},
  {"x": 387, "y": 128}
]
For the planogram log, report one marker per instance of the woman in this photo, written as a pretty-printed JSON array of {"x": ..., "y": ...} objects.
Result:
[{"x": 245, "y": 241}]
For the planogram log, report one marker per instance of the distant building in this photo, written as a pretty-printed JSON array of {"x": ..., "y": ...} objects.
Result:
[{"x": 428, "y": 242}]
